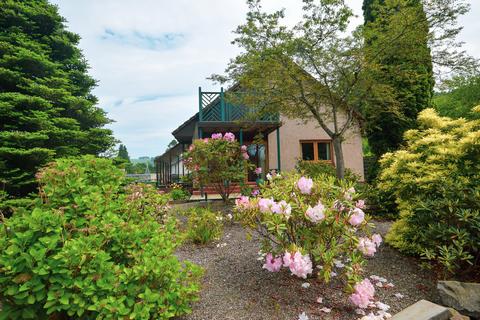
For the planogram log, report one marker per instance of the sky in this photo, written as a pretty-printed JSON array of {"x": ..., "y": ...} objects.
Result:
[{"x": 150, "y": 57}]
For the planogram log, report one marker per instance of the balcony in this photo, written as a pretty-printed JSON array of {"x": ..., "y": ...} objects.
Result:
[{"x": 214, "y": 108}]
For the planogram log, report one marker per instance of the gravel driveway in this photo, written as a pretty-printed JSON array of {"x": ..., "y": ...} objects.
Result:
[{"x": 236, "y": 287}]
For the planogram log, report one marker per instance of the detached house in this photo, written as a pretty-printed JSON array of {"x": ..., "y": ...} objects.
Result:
[{"x": 283, "y": 142}]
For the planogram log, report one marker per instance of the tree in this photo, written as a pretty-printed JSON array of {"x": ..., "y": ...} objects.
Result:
[
  {"x": 458, "y": 98},
  {"x": 123, "y": 153},
  {"x": 47, "y": 109},
  {"x": 315, "y": 70},
  {"x": 405, "y": 66}
]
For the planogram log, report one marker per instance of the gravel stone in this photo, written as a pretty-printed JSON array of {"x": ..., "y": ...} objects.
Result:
[{"x": 236, "y": 287}]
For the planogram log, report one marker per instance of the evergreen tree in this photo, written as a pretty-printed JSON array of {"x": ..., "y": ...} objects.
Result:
[
  {"x": 47, "y": 109},
  {"x": 123, "y": 153},
  {"x": 402, "y": 64}
]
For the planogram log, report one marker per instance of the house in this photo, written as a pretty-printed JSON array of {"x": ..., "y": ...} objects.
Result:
[{"x": 279, "y": 142}]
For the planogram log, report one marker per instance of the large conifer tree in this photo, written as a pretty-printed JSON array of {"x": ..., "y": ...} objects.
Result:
[
  {"x": 397, "y": 34},
  {"x": 47, "y": 109}
]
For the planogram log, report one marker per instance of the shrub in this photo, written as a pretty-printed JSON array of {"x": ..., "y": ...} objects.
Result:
[
  {"x": 307, "y": 222},
  {"x": 146, "y": 200},
  {"x": 204, "y": 225},
  {"x": 89, "y": 250},
  {"x": 178, "y": 193},
  {"x": 436, "y": 182},
  {"x": 217, "y": 161},
  {"x": 317, "y": 169},
  {"x": 380, "y": 202}
]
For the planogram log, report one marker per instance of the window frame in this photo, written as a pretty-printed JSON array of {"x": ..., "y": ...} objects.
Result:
[{"x": 315, "y": 150}]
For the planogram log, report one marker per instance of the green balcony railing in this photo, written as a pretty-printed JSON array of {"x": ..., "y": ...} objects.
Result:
[{"x": 213, "y": 107}]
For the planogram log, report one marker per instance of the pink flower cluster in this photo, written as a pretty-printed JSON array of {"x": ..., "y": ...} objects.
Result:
[
  {"x": 348, "y": 195},
  {"x": 356, "y": 217},
  {"x": 269, "y": 205},
  {"x": 229, "y": 136},
  {"x": 363, "y": 295},
  {"x": 217, "y": 136},
  {"x": 258, "y": 171},
  {"x": 305, "y": 185},
  {"x": 243, "y": 202},
  {"x": 244, "y": 152},
  {"x": 316, "y": 214},
  {"x": 273, "y": 264},
  {"x": 299, "y": 265},
  {"x": 360, "y": 204},
  {"x": 369, "y": 246}
]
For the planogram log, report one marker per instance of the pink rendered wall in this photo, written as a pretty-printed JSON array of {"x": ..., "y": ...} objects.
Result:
[{"x": 292, "y": 131}]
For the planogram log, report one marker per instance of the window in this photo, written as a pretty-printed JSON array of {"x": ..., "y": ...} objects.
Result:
[
  {"x": 308, "y": 151},
  {"x": 316, "y": 150}
]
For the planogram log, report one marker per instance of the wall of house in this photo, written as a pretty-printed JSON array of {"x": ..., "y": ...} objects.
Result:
[{"x": 292, "y": 131}]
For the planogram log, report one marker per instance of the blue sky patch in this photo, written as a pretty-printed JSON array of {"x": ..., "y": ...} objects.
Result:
[{"x": 163, "y": 41}]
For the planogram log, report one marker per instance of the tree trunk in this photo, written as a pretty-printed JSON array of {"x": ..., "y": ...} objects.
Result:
[{"x": 339, "y": 160}]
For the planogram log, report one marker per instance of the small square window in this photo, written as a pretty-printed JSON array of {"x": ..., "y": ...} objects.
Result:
[{"x": 308, "y": 151}]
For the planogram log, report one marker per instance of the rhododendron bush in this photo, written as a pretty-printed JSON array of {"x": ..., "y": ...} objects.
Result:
[
  {"x": 217, "y": 161},
  {"x": 309, "y": 226}
]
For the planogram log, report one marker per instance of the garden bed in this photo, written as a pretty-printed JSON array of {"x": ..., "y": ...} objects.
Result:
[{"x": 236, "y": 287}]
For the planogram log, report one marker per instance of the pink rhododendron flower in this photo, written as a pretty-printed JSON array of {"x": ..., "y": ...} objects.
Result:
[
  {"x": 367, "y": 246},
  {"x": 300, "y": 265},
  {"x": 255, "y": 192},
  {"x": 217, "y": 136},
  {"x": 287, "y": 259},
  {"x": 360, "y": 204},
  {"x": 348, "y": 195},
  {"x": 243, "y": 148},
  {"x": 377, "y": 239},
  {"x": 316, "y": 213},
  {"x": 285, "y": 208},
  {"x": 281, "y": 207},
  {"x": 272, "y": 264},
  {"x": 243, "y": 202},
  {"x": 245, "y": 156},
  {"x": 192, "y": 146},
  {"x": 364, "y": 292},
  {"x": 357, "y": 217},
  {"x": 305, "y": 185},
  {"x": 206, "y": 140},
  {"x": 258, "y": 171},
  {"x": 229, "y": 136},
  {"x": 265, "y": 205}
]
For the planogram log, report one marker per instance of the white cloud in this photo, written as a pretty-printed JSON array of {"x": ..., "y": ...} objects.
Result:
[{"x": 150, "y": 56}]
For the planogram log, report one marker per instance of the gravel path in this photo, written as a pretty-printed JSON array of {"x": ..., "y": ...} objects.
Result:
[{"x": 236, "y": 287}]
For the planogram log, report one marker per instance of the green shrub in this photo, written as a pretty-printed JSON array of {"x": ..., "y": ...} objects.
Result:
[
  {"x": 315, "y": 169},
  {"x": 145, "y": 200},
  {"x": 204, "y": 225},
  {"x": 436, "y": 182},
  {"x": 178, "y": 193},
  {"x": 380, "y": 202},
  {"x": 90, "y": 249}
]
